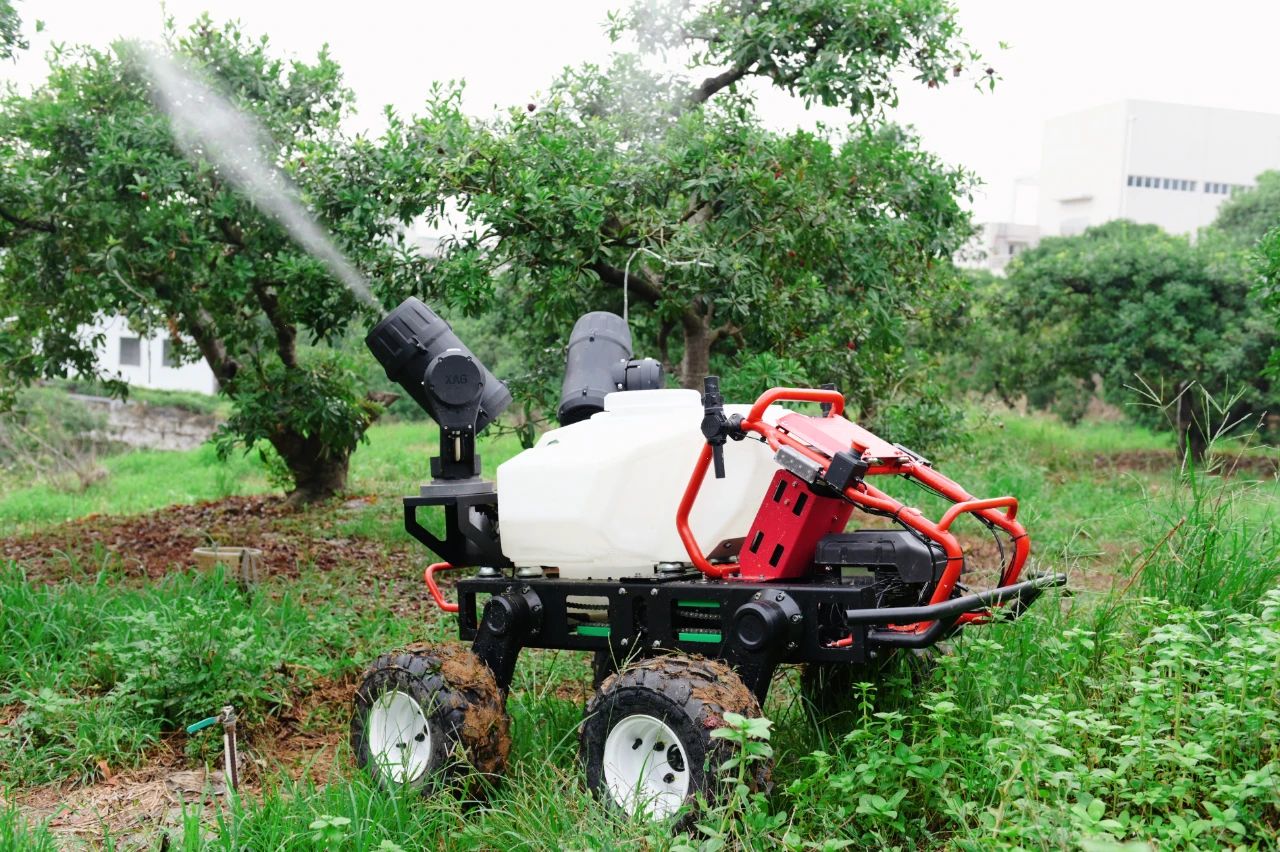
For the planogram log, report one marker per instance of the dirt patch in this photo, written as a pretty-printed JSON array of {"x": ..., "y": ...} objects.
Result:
[
  {"x": 1157, "y": 461},
  {"x": 153, "y": 544},
  {"x": 137, "y": 807},
  {"x": 306, "y": 739}
]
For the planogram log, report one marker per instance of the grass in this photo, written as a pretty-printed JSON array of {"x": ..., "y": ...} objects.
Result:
[
  {"x": 1150, "y": 714},
  {"x": 136, "y": 482}
]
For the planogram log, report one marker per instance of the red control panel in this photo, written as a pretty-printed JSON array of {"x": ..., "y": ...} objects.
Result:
[{"x": 785, "y": 533}]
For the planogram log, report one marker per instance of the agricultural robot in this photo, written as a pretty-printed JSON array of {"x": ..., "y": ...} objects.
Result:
[{"x": 609, "y": 537}]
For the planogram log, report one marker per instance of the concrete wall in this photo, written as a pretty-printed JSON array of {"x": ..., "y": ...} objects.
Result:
[
  {"x": 1165, "y": 164},
  {"x": 1081, "y": 170},
  {"x": 155, "y": 427},
  {"x": 151, "y": 371}
]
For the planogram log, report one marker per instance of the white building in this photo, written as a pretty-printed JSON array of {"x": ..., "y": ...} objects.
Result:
[
  {"x": 146, "y": 361},
  {"x": 1163, "y": 164},
  {"x": 1155, "y": 163},
  {"x": 997, "y": 243}
]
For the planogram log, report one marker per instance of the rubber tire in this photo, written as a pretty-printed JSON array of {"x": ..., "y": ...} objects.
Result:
[
  {"x": 604, "y": 664},
  {"x": 458, "y": 694},
  {"x": 691, "y": 695}
]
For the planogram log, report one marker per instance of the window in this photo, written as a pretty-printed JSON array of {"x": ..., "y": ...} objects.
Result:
[
  {"x": 1208, "y": 187},
  {"x": 1164, "y": 184},
  {"x": 166, "y": 353},
  {"x": 130, "y": 352},
  {"x": 1191, "y": 186},
  {"x": 1130, "y": 183}
]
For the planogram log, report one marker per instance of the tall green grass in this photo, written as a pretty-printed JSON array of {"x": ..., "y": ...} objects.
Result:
[
  {"x": 103, "y": 669},
  {"x": 1145, "y": 715}
]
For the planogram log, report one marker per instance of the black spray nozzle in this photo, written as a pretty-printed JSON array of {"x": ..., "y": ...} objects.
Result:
[
  {"x": 421, "y": 353},
  {"x": 598, "y": 362}
]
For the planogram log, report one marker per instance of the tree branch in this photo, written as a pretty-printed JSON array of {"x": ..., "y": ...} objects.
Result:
[
  {"x": 286, "y": 332},
  {"x": 27, "y": 224},
  {"x": 200, "y": 327},
  {"x": 639, "y": 283},
  {"x": 713, "y": 84},
  {"x": 726, "y": 330}
]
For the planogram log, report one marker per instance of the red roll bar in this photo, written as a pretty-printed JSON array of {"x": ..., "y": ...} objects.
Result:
[{"x": 868, "y": 496}]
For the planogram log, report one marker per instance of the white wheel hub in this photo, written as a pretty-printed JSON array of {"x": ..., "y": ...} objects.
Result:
[
  {"x": 645, "y": 767},
  {"x": 399, "y": 737}
]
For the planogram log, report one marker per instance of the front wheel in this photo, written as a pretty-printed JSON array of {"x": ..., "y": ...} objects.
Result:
[
  {"x": 646, "y": 742},
  {"x": 427, "y": 714}
]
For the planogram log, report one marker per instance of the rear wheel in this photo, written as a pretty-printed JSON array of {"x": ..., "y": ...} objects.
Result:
[
  {"x": 428, "y": 714},
  {"x": 646, "y": 742}
]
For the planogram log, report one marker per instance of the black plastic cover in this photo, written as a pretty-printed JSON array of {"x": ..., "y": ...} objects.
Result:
[
  {"x": 880, "y": 550},
  {"x": 413, "y": 338},
  {"x": 598, "y": 363}
]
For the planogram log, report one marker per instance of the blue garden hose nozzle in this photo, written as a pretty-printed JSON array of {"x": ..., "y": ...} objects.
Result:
[{"x": 202, "y": 724}]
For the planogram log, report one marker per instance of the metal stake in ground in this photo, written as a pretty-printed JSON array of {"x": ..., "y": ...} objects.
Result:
[
  {"x": 228, "y": 719},
  {"x": 229, "y": 758}
]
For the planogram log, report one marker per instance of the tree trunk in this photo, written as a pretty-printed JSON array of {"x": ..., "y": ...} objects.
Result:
[
  {"x": 318, "y": 472},
  {"x": 696, "y": 362},
  {"x": 1193, "y": 443}
]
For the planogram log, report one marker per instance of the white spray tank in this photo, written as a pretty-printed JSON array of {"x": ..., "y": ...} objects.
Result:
[{"x": 597, "y": 499}]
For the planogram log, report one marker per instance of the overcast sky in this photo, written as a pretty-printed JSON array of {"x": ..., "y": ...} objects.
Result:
[{"x": 1061, "y": 56}]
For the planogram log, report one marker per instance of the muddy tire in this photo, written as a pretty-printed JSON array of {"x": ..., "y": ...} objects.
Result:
[
  {"x": 645, "y": 742},
  {"x": 429, "y": 715}
]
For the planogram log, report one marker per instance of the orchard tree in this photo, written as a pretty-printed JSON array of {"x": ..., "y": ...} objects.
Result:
[
  {"x": 1249, "y": 214},
  {"x": 11, "y": 40},
  {"x": 1131, "y": 305},
  {"x": 1267, "y": 264},
  {"x": 798, "y": 256},
  {"x": 102, "y": 214}
]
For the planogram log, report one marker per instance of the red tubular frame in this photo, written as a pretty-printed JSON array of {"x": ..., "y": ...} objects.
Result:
[
  {"x": 428, "y": 577},
  {"x": 868, "y": 496}
]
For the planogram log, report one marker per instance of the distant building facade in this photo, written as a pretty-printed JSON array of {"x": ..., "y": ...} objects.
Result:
[
  {"x": 1161, "y": 164},
  {"x": 1155, "y": 163},
  {"x": 146, "y": 362},
  {"x": 1000, "y": 242}
]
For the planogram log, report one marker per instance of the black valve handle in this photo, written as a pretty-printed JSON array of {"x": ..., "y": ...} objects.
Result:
[{"x": 716, "y": 427}]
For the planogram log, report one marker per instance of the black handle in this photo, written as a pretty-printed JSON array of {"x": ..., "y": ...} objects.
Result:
[{"x": 714, "y": 424}]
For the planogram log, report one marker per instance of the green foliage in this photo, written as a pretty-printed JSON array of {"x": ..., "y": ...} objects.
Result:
[
  {"x": 101, "y": 671},
  {"x": 103, "y": 213},
  {"x": 1249, "y": 214},
  {"x": 1161, "y": 728},
  {"x": 17, "y": 834},
  {"x": 1123, "y": 304},
  {"x": 319, "y": 400},
  {"x": 741, "y": 819},
  {"x": 48, "y": 438},
  {"x": 11, "y": 40},
  {"x": 831, "y": 52},
  {"x": 785, "y": 253},
  {"x": 1267, "y": 263},
  {"x": 184, "y": 662}
]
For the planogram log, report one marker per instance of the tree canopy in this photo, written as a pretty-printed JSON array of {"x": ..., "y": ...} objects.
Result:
[
  {"x": 102, "y": 213},
  {"x": 11, "y": 40},
  {"x": 1126, "y": 304},
  {"x": 796, "y": 256},
  {"x": 1249, "y": 214}
]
